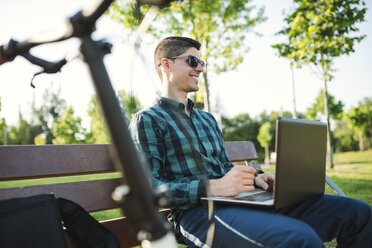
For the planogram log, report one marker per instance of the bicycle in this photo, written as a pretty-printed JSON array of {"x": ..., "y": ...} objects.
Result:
[{"x": 135, "y": 196}]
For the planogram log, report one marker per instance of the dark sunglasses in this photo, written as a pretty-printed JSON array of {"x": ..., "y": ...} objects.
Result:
[{"x": 192, "y": 61}]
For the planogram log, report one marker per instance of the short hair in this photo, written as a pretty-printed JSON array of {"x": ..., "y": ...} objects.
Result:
[{"x": 173, "y": 46}]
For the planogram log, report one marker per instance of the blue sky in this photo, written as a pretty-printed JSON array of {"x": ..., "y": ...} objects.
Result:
[{"x": 262, "y": 82}]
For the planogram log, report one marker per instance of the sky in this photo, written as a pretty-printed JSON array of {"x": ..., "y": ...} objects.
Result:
[{"x": 263, "y": 82}]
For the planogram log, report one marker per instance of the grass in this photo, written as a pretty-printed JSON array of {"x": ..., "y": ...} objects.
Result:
[
  {"x": 353, "y": 157},
  {"x": 352, "y": 173}
]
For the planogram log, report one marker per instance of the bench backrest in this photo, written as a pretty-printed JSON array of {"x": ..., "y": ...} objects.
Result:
[{"x": 53, "y": 161}]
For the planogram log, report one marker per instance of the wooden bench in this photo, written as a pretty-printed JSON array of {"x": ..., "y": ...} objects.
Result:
[{"x": 53, "y": 161}]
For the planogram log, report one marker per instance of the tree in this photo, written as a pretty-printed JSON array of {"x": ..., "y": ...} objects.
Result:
[
  {"x": 97, "y": 124},
  {"x": 316, "y": 111},
  {"x": 44, "y": 117},
  {"x": 221, "y": 26},
  {"x": 264, "y": 137},
  {"x": 241, "y": 127},
  {"x": 359, "y": 117},
  {"x": 129, "y": 103},
  {"x": 319, "y": 31},
  {"x": 67, "y": 129},
  {"x": 344, "y": 137},
  {"x": 20, "y": 135},
  {"x": 3, "y": 129}
]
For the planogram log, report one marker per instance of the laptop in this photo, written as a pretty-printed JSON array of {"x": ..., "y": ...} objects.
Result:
[{"x": 301, "y": 147}]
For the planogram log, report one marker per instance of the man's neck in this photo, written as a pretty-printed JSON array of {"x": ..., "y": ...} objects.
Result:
[{"x": 179, "y": 97}]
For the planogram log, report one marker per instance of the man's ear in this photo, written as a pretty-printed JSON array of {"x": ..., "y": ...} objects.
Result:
[{"x": 165, "y": 64}]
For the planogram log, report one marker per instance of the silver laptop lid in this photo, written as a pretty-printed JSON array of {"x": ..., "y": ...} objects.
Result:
[{"x": 301, "y": 146}]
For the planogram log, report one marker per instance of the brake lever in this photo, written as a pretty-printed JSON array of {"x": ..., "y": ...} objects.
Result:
[{"x": 47, "y": 66}]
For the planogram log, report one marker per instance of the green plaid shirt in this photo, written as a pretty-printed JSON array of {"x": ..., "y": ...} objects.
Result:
[{"x": 159, "y": 132}]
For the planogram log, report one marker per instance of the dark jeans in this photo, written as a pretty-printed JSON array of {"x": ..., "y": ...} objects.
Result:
[{"x": 307, "y": 224}]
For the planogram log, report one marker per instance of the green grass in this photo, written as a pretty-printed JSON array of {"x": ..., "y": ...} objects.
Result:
[
  {"x": 53, "y": 180},
  {"x": 353, "y": 157}
]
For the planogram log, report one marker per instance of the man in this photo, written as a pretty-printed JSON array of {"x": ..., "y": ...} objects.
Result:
[{"x": 181, "y": 143}]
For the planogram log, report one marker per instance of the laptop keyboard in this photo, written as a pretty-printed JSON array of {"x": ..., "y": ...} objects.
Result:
[{"x": 260, "y": 197}]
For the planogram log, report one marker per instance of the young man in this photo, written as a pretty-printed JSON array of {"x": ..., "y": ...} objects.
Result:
[{"x": 181, "y": 143}]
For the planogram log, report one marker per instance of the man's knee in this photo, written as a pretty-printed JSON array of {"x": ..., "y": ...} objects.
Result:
[
  {"x": 301, "y": 235},
  {"x": 355, "y": 211},
  {"x": 290, "y": 233}
]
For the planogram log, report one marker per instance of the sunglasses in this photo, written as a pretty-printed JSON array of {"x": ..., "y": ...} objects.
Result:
[{"x": 192, "y": 61}]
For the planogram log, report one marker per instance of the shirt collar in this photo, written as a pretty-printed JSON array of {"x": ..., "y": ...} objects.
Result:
[{"x": 177, "y": 106}]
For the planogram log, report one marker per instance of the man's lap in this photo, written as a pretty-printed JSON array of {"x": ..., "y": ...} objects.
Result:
[{"x": 307, "y": 223}]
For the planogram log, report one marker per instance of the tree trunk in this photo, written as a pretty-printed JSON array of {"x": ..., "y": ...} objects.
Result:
[
  {"x": 361, "y": 143},
  {"x": 267, "y": 158},
  {"x": 5, "y": 135},
  {"x": 326, "y": 112},
  {"x": 294, "y": 114},
  {"x": 206, "y": 92}
]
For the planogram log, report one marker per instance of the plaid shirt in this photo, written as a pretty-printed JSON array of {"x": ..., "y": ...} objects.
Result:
[{"x": 159, "y": 132}]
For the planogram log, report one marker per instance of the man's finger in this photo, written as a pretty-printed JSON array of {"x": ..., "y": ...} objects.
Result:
[
  {"x": 261, "y": 182},
  {"x": 244, "y": 168}
]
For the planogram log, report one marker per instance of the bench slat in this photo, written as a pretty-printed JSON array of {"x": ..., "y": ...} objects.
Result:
[
  {"x": 24, "y": 162},
  {"x": 19, "y": 162},
  {"x": 92, "y": 195},
  {"x": 241, "y": 151}
]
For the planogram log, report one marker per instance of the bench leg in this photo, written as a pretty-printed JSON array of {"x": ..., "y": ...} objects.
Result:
[{"x": 334, "y": 186}]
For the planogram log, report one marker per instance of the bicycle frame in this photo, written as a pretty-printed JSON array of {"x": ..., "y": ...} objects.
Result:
[{"x": 137, "y": 200}]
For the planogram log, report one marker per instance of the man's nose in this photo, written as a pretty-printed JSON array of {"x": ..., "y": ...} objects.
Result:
[{"x": 200, "y": 68}]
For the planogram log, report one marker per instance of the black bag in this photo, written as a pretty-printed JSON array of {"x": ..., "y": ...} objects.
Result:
[
  {"x": 85, "y": 229},
  {"x": 31, "y": 222}
]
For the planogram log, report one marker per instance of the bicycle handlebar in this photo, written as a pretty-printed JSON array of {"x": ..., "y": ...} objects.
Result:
[
  {"x": 139, "y": 203},
  {"x": 80, "y": 24}
]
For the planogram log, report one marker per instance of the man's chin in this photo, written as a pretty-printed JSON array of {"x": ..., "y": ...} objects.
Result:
[{"x": 194, "y": 89}]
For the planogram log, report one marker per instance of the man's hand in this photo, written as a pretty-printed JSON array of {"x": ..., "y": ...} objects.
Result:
[
  {"x": 265, "y": 181},
  {"x": 239, "y": 179}
]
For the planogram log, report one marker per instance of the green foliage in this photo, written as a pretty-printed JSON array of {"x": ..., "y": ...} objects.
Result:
[
  {"x": 356, "y": 125},
  {"x": 221, "y": 26},
  {"x": 264, "y": 138},
  {"x": 344, "y": 138},
  {"x": 41, "y": 124},
  {"x": 97, "y": 124},
  {"x": 264, "y": 135},
  {"x": 317, "y": 108},
  {"x": 2, "y": 127},
  {"x": 360, "y": 118},
  {"x": 129, "y": 103},
  {"x": 44, "y": 117},
  {"x": 67, "y": 129},
  {"x": 243, "y": 127},
  {"x": 20, "y": 134},
  {"x": 2, "y": 130},
  {"x": 319, "y": 31},
  {"x": 40, "y": 139},
  {"x": 198, "y": 98}
]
